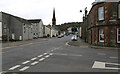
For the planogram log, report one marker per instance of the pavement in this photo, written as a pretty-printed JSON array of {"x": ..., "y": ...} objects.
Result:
[
  {"x": 81, "y": 43},
  {"x": 20, "y": 43}
]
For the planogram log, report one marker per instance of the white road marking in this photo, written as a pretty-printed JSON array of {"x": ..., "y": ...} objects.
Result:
[
  {"x": 51, "y": 54},
  {"x": 41, "y": 59},
  {"x": 52, "y": 50},
  {"x": 101, "y": 54},
  {"x": 24, "y": 68},
  {"x": 113, "y": 57},
  {"x": 3, "y": 72},
  {"x": 47, "y": 56},
  {"x": 40, "y": 56},
  {"x": 112, "y": 63},
  {"x": 33, "y": 58},
  {"x": 98, "y": 64},
  {"x": 34, "y": 63},
  {"x": 44, "y": 53},
  {"x": 12, "y": 68},
  {"x": 67, "y": 54},
  {"x": 101, "y": 65},
  {"x": 25, "y": 62},
  {"x": 112, "y": 68}
]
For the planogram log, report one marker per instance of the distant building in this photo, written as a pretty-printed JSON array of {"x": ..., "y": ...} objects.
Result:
[
  {"x": 46, "y": 31},
  {"x": 101, "y": 26},
  {"x": 14, "y": 28},
  {"x": 54, "y": 18},
  {"x": 54, "y": 31},
  {"x": 37, "y": 27}
]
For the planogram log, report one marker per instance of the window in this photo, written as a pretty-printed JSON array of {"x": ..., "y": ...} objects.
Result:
[
  {"x": 119, "y": 11},
  {"x": 101, "y": 13},
  {"x": 24, "y": 29},
  {"x": 5, "y": 30},
  {"x": 101, "y": 35},
  {"x": 118, "y": 35}
]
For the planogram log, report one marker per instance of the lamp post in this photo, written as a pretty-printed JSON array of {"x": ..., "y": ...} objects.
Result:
[{"x": 84, "y": 27}]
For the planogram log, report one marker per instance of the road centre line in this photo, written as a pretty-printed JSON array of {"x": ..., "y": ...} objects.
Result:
[
  {"x": 25, "y": 62},
  {"x": 34, "y": 58},
  {"x": 44, "y": 53},
  {"x": 40, "y": 56},
  {"x": 34, "y": 63},
  {"x": 41, "y": 59},
  {"x": 24, "y": 68},
  {"x": 47, "y": 56},
  {"x": 12, "y": 68},
  {"x": 51, "y": 54}
]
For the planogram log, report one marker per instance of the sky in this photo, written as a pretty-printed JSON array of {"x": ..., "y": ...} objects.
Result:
[{"x": 65, "y": 10}]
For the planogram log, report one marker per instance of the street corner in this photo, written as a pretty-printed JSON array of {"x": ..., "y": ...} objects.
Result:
[{"x": 76, "y": 44}]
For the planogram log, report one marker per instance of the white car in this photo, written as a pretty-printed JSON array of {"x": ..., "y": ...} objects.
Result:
[{"x": 74, "y": 38}]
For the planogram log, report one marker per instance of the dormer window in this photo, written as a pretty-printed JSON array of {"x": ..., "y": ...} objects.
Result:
[{"x": 101, "y": 13}]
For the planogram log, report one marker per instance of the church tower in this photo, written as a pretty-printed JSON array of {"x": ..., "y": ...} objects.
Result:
[{"x": 54, "y": 19}]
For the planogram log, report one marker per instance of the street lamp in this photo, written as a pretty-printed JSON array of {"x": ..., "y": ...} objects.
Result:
[{"x": 85, "y": 23}]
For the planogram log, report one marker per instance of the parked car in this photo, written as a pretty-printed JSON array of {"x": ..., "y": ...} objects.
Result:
[
  {"x": 74, "y": 38},
  {"x": 62, "y": 35},
  {"x": 35, "y": 37},
  {"x": 59, "y": 36}
]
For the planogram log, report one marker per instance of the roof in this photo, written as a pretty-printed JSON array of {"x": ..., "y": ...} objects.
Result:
[
  {"x": 34, "y": 20},
  {"x": 19, "y": 18}
]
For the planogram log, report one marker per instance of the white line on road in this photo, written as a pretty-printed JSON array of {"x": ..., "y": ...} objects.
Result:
[
  {"x": 112, "y": 63},
  {"x": 44, "y": 53},
  {"x": 101, "y": 54},
  {"x": 12, "y": 68},
  {"x": 41, "y": 59},
  {"x": 33, "y": 59},
  {"x": 25, "y": 62},
  {"x": 112, "y": 68},
  {"x": 51, "y": 54},
  {"x": 113, "y": 57},
  {"x": 3, "y": 72},
  {"x": 52, "y": 50},
  {"x": 98, "y": 64},
  {"x": 34, "y": 63},
  {"x": 101, "y": 65},
  {"x": 24, "y": 68},
  {"x": 40, "y": 56},
  {"x": 47, "y": 56}
]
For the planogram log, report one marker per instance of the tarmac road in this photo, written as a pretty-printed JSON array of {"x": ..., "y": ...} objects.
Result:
[{"x": 55, "y": 56}]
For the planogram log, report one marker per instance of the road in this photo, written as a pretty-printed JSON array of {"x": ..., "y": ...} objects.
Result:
[{"x": 55, "y": 56}]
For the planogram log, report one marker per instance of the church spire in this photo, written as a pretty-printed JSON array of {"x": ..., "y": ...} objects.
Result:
[{"x": 54, "y": 19}]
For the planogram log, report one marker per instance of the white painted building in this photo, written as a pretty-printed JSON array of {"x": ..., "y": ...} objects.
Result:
[{"x": 37, "y": 27}]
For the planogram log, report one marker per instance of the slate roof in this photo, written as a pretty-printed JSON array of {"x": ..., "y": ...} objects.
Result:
[
  {"x": 19, "y": 18},
  {"x": 34, "y": 20}
]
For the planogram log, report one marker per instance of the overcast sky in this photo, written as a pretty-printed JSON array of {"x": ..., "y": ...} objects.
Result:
[{"x": 66, "y": 10}]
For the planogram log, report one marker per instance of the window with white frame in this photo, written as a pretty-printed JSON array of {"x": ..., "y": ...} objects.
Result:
[
  {"x": 119, "y": 11},
  {"x": 101, "y": 35},
  {"x": 101, "y": 13},
  {"x": 118, "y": 35}
]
